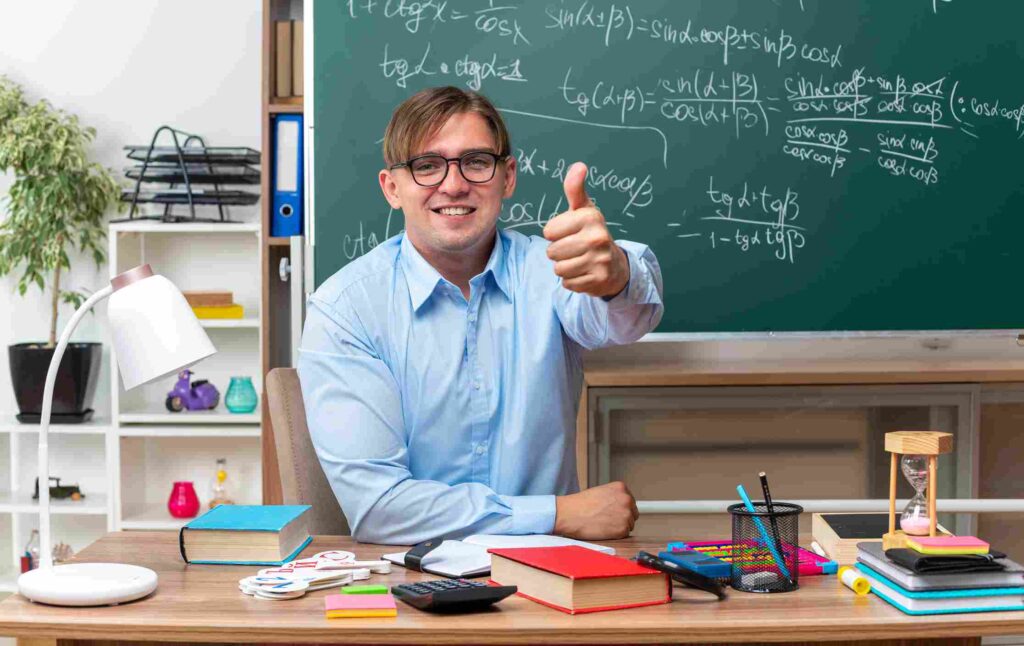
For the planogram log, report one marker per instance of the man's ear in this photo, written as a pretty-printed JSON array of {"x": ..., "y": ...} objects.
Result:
[
  {"x": 510, "y": 177},
  {"x": 389, "y": 188}
]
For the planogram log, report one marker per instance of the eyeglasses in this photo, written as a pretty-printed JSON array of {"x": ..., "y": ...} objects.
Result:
[{"x": 431, "y": 170}]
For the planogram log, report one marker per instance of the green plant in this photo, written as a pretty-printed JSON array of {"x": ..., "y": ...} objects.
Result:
[{"x": 58, "y": 199}]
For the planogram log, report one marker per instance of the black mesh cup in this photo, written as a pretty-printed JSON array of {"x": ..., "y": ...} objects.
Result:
[{"x": 765, "y": 549}]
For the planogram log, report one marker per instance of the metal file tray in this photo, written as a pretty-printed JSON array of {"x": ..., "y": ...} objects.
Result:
[
  {"x": 195, "y": 154},
  {"x": 199, "y": 196},
  {"x": 197, "y": 173}
]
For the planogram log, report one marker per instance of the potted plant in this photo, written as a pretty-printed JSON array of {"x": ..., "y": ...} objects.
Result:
[{"x": 57, "y": 202}]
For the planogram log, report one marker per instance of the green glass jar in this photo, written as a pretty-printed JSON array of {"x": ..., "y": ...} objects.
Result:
[{"x": 241, "y": 396}]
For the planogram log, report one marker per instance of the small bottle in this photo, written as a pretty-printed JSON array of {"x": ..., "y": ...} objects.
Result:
[
  {"x": 218, "y": 489},
  {"x": 30, "y": 559}
]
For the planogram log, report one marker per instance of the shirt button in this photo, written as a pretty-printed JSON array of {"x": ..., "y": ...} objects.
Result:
[
  {"x": 480, "y": 449},
  {"x": 476, "y": 385}
]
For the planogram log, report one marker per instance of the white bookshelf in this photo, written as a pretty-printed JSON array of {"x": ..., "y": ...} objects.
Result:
[
  {"x": 22, "y": 503},
  {"x": 127, "y": 457},
  {"x": 78, "y": 456},
  {"x": 151, "y": 447},
  {"x": 247, "y": 430},
  {"x": 96, "y": 426},
  {"x": 247, "y": 322},
  {"x": 188, "y": 418}
]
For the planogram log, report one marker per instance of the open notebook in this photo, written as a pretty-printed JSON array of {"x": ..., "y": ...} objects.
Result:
[{"x": 469, "y": 558}]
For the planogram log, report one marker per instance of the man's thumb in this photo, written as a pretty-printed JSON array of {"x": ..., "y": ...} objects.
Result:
[{"x": 575, "y": 186}]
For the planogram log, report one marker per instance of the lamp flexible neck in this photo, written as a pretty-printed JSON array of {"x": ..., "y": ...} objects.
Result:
[{"x": 45, "y": 557}]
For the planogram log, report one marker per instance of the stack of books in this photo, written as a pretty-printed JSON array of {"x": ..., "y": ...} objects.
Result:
[
  {"x": 211, "y": 304},
  {"x": 943, "y": 575},
  {"x": 288, "y": 67}
]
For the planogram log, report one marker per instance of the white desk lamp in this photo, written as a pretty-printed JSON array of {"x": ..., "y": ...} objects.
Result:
[{"x": 155, "y": 334}]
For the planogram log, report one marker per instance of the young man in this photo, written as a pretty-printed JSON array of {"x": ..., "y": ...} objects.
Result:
[{"x": 441, "y": 371}]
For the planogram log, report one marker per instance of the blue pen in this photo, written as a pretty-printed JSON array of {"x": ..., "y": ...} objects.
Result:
[{"x": 764, "y": 533}]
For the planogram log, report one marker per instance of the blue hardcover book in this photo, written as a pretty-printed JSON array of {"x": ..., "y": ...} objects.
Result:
[
  {"x": 943, "y": 602},
  {"x": 246, "y": 535}
]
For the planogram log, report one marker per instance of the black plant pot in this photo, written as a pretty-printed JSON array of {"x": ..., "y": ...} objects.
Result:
[{"x": 72, "y": 391}]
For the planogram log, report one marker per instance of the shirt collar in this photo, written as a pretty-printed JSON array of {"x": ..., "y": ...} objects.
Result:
[{"x": 422, "y": 278}]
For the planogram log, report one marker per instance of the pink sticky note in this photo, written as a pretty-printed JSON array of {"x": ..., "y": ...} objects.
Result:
[
  {"x": 961, "y": 542},
  {"x": 359, "y": 602}
]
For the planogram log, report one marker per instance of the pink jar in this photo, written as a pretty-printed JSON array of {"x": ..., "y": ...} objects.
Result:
[{"x": 183, "y": 502}]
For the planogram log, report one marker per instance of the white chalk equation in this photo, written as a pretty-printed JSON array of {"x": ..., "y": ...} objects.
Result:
[
  {"x": 705, "y": 98},
  {"x": 746, "y": 219},
  {"x": 474, "y": 71},
  {"x": 663, "y": 95},
  {"x": 619, "y": 22},
  {"x": 417, "y": 15}
]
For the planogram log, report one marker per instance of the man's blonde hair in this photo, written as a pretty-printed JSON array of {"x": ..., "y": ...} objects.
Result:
[{"x": 426, "y": 112}]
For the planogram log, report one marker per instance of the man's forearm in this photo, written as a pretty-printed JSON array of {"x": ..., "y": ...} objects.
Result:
[{"x": 417, "y": 510}]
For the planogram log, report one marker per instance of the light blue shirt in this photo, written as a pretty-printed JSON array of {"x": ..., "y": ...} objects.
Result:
[{"x": 433, "y": 416}]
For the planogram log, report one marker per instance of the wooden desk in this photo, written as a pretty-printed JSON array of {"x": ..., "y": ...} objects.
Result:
[{"x": 201, "y": 603}]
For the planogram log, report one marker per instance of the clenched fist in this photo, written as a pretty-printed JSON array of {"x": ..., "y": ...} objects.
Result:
[
  {"x": 599, "y": 513},
  {"x": 586, "y": 257}
]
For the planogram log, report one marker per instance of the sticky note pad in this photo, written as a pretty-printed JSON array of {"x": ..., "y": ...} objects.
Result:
[
  {"x": 360, "y": 605},
  {"x": 948, "y": 545},
  {"x": 365, "y": 589}
]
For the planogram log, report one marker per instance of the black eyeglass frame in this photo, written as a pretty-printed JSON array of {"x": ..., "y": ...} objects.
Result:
[{"x": 447, "y": 166}]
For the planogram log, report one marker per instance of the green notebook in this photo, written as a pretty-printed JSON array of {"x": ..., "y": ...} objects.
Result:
[{"x": 246, "y": 535}]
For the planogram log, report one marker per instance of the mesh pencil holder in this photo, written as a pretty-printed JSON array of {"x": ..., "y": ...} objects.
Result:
[{"x": 765, "y": 554}]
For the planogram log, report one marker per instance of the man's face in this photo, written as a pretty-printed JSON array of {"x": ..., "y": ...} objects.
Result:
[{"x": 457, "y": 216}]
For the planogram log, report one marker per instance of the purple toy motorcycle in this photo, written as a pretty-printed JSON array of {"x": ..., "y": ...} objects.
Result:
[{"x": 200, "y": 395}]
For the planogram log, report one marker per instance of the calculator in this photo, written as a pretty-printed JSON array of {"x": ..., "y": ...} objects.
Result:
[{"x": 451, "y": 595}]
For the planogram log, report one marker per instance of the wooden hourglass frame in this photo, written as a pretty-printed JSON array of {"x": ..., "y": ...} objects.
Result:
[{"x": 899, "y": 443}]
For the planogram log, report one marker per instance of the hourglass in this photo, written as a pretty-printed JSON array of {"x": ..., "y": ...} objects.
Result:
[
  {"x": 915, "y": 454},
  {"x": 916, "y": 517}
]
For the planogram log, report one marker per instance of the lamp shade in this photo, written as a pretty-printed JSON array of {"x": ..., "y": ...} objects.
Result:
[{"x": 154, "y": 331}]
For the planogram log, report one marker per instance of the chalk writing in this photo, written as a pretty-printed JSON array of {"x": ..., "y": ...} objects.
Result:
[
  {"x": 638, "y": 191},
  {"x": 477, "y": 71},
  {"x": 756, "y": 217},
  {"x": 780, "y": 45}
]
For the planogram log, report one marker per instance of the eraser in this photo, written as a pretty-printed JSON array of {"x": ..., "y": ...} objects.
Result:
[{"x": 365, "y": 589}]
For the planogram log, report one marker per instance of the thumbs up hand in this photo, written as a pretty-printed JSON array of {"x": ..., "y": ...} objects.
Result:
[{"x": 586, "y": 257}]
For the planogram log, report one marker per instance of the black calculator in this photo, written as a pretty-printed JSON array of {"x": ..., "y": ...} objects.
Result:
[{"x": 451, "y": 595}]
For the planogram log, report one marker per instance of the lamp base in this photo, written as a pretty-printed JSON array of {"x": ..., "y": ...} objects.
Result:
[{"x": 87, "y": 584}]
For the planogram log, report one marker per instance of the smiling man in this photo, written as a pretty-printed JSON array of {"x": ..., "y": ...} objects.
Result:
[{"x": 441, "y": 371}]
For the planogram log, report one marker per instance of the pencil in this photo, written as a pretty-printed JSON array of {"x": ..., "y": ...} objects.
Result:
[{"x": 771, "y": 510}]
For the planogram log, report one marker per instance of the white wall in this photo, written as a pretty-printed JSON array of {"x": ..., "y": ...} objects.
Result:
[{"x": 126, "y": 67}]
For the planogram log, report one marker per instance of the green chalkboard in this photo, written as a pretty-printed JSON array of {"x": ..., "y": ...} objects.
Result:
[{"x": 796, "y": 165}]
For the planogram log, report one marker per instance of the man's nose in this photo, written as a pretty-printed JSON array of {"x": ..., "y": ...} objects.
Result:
[{"x": 454, "y": 183}]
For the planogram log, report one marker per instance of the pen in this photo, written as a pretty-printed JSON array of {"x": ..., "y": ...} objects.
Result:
[
  {"x": 771, "y": 509},
  {"x": 764, "y": 533}
]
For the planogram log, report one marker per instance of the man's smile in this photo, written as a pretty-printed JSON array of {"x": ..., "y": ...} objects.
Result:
[{"x": 454, "y": 210}]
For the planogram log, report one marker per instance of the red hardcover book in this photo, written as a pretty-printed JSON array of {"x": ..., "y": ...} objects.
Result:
[{"x": 575, "y": 579}]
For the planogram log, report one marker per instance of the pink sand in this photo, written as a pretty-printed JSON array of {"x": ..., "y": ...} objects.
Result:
[{"x": 916, "y": 526}]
